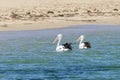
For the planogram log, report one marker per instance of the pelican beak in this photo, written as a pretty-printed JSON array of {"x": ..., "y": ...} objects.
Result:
[
  {"x": 55, "y": 40},
  {"x": 78, "y": 39}
]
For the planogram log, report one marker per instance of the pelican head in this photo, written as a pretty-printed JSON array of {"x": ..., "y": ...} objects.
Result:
[
  {"x": 59, "y": 37},
  {"x": 80, "y": 38}
]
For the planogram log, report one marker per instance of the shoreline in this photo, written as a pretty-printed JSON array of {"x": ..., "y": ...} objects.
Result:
[{"x": 54, "y": 24}]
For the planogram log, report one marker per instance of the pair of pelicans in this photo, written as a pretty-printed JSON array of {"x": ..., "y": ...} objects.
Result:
[{"x": 67, "y": 46}]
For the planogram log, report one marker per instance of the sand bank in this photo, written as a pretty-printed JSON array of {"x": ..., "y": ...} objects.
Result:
[{"x": 40, "y": 14}]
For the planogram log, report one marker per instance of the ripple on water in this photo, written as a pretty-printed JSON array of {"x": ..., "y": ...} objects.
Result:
[{"x": 25, "y": 56}]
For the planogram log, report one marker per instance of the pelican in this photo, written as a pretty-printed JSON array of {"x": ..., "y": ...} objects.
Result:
[
  {"x": 83, "y": 45},
  {"x": 64, "y": 47}
]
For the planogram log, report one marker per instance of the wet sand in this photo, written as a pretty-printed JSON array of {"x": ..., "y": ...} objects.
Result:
[{"x": 39, "y": 14}]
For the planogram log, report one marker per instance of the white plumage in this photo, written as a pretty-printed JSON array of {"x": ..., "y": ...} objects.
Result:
[
  {"x": 60, "y": 48},
  {"x": 83, "y": 45}
]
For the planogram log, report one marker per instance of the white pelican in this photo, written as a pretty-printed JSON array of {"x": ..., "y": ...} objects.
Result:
[
  {"x": 83, "y": 45},
  {"x": 64, "y": 47}
]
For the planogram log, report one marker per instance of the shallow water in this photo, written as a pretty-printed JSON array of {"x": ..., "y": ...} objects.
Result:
[{"x": 29, "y": 55}]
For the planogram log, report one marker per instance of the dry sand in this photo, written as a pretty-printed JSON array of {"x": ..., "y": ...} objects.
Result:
[{"x": 45, "y": 14}]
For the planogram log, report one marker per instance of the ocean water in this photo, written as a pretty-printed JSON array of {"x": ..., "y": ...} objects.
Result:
[{"x": 30, "y": 55}]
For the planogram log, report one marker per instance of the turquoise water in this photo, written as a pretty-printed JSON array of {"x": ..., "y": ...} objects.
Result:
[{"x": 29, "y": 55}]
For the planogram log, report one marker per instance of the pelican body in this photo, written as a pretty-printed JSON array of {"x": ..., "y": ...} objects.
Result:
[
  {"x": 83, "y": 45},
  {"x": 64, "y": 47}
]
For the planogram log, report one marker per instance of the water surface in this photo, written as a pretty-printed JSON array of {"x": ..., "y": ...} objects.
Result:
[{"x": 29, "y": 55}]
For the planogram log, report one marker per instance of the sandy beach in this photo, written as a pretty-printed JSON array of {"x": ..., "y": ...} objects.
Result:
[{"x": 39, "y": 14}]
